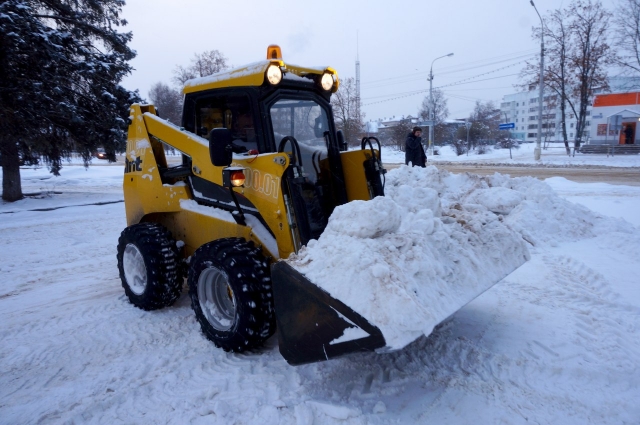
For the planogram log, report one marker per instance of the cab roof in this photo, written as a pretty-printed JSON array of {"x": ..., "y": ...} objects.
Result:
[{"x": 254, "y": 75}]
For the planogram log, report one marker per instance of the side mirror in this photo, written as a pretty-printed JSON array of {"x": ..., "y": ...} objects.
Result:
[
  {"x": 342, "y": 144},
  {"x": 220, "y": 147}
]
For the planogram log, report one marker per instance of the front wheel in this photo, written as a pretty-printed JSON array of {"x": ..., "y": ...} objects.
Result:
[{"x": 230, "y": 289}]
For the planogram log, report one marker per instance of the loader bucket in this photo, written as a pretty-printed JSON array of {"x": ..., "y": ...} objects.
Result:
[{"x": 312, "y": 325}]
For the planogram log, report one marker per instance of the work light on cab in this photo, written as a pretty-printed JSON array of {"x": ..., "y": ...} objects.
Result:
[
  {"x": 327, "y": 80},
  {"x": 274, "y": 74}
]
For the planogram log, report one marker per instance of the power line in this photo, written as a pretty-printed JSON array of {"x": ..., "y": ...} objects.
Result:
[
  {"x": 457, "y": 83},
  {"x": 443, "y": 71},
  {"x": 413, "y": 93},
  {"x": 484, "y": 88}
]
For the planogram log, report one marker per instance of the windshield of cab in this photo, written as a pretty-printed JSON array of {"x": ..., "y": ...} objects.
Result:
[{"x": 306, "y": 121}]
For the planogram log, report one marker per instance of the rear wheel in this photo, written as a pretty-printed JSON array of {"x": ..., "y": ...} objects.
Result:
[
  {"x": 230, "y": 289},
  {"x": 148, "y": 265}
]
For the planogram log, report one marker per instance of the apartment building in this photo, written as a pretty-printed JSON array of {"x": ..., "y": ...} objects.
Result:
[{"x": 522, "y": 110}]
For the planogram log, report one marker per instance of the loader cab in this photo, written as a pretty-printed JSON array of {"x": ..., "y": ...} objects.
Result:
[{"x": 260, "y": 119}]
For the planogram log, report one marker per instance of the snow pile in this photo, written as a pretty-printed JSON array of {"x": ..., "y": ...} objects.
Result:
[
  {"x": 410, "y": 259},
  {"x": 437, "y": 240}
]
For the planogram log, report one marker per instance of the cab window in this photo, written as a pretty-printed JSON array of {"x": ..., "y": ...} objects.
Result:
[{"x": 233, "y": 112}]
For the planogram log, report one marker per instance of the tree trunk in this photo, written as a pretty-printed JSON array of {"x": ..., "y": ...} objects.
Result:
[
  {"x": 11, "y": 185},
  {"x": 563, "y": 115}
]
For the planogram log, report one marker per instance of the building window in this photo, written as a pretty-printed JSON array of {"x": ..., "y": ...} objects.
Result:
[
  {"x": 570, "y": 134},
  {"x": 532, "y": 135}
]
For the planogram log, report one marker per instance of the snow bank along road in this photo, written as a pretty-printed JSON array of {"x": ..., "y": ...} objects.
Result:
[
  {"x": 629, "y": 176},
  {"x": 554, "y": 342}
]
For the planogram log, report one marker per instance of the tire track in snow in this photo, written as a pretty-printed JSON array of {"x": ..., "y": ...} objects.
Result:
[{"x": 589, "y": 295}]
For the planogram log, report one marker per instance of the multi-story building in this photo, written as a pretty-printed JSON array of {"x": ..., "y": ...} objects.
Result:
[{"x": 522, "y": 110}]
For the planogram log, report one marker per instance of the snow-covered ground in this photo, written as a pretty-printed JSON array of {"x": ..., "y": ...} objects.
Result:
[{"x": 556, "y": 341}]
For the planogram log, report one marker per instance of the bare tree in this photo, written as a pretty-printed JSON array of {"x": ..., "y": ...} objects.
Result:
[
  {"x": 557, "y": 75},
  {"x": 168, "y": 101},
  {"x": 627, "y": 24},
  {"x": 202, "y": 64},
  {"x": 485, "y": 123},
  {"x": 345, "y": 111},
  {"x": 578, "y": 54},
  {"x": 440, "y": 113},
  {"x": 591, "y": 55}
]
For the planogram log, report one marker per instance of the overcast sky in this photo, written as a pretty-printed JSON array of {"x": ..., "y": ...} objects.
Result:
[{"x": 398, "y": 40}]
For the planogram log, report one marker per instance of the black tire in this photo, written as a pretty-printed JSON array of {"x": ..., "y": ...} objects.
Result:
[
  {"x": 230, "y": 289},
  {"x": 148, "y": 265}
]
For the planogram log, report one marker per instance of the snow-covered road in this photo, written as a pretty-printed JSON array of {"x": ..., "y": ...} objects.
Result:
[{"x": 554, "y": 342}]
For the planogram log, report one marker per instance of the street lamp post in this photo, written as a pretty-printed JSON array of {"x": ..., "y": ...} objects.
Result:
[
  {"x": 537, "y": 150},
  {"x": 431, "y": 109}
]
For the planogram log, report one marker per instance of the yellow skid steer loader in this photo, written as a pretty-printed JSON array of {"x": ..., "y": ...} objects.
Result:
[{"x": 261, "y": 169}]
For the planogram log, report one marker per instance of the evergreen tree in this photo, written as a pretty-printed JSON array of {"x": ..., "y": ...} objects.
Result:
[{"x": 61, "y": 63}]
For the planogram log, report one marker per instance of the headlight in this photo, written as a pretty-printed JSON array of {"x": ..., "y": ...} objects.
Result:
[
  {"x": 274, "y": 74},
  {"x": 326, "y": 82}
]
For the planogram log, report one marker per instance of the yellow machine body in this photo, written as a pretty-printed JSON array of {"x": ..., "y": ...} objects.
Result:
[{"x": 148, "y": 199}]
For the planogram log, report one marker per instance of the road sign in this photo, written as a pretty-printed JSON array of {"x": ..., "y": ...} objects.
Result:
[
  {"x": 507, "y": 126},
  {"x": 615, "y": 122}
]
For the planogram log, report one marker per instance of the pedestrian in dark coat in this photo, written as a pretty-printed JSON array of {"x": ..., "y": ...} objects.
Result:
[
  {"x": 628, "y": 135},
  {"x": 413, "y": 150}
]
